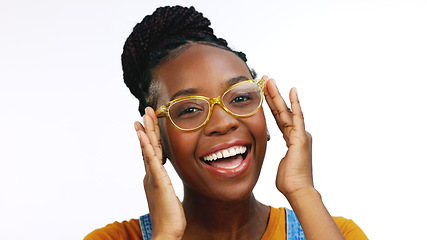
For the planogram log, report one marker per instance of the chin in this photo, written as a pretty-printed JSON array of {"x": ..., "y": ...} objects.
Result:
[{"x": 231, "y": 191}]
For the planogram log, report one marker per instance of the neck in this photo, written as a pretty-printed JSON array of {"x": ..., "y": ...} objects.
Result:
[{"x": 209, "y": 218}]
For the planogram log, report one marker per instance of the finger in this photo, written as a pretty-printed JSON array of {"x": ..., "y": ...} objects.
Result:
[
  {"x": 153, "y": 136},
  {"x": 298, "y": 117},
  {"x": 153, "y": 165},
  {"x": 150, "y": 112},
  {"x": 278, "y": 106},
  {"x": 139, "y": 128}
]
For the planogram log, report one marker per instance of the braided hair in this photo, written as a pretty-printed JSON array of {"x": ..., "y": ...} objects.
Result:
[{"x": 159, "y": 35}]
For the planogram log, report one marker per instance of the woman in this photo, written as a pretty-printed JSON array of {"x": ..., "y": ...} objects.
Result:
[{"x": 201, "y": 108}]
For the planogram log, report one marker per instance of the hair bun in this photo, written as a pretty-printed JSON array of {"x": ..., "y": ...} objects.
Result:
[
  {"x": 177, "y": 22},
  {"x": 163, "y": 28}
]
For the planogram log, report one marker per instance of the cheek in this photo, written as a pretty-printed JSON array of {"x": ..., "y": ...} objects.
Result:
[
  {"x": 179, "y": 148},
  {"x": 177, "y": 144},
  {"x": 258, "y": 127}
]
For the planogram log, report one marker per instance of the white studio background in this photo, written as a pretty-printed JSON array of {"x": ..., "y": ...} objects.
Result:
[{"x": 70, "y": 159}]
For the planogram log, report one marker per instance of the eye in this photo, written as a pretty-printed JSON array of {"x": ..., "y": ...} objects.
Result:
[
  {"x": 189, "y": 110},
  {"x": 241, "y": 98}
]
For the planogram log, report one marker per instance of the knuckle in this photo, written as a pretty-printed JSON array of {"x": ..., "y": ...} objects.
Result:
[
  {"x": 285, "y": 126},
  {"x": 274, "y": 112},
  {"x": 300, "y": 115},
  {"x": 278, "y": 112},
  {"x": 281, "y": 111}
]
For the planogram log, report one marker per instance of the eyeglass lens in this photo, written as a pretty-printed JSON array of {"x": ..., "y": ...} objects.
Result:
[{"x": 242, "y": 100}]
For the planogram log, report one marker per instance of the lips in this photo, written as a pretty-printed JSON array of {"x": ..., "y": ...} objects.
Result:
[{"x": 227, "y": 162}]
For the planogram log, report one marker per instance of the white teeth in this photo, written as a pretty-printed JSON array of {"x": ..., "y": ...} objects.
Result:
[
  {"x": 233, "y": 151},
  {"x": 225, "y": 154}
]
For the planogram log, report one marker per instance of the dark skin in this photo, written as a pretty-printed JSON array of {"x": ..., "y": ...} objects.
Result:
[{"x": 223, "y": 206}]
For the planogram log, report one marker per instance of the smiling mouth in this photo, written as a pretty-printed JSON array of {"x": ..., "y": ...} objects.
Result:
[{"x": 227, "y": 158}]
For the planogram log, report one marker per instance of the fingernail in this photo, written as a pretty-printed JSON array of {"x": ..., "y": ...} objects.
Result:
[
  {"x": 296, "y": 93},
  {"x": 135, "y": 125}
]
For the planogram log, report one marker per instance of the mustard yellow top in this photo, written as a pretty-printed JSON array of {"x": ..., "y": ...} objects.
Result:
[{"x": 276, "y": 229}]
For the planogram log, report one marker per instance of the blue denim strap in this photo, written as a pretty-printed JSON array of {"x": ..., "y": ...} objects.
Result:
[
  {"x": 145, "y": 224},
  {"x": 293, "y": 230}
]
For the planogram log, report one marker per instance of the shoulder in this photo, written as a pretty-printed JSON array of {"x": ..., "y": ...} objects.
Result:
[
  {"x": 349, "y": 229},
  {"x": 126, "y": 230}
]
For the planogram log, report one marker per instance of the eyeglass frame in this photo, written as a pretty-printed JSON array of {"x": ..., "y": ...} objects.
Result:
[{"x": 163, "y": 110}]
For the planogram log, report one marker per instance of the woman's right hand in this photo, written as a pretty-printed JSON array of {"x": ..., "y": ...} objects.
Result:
[{"x": 166, "y": 212}]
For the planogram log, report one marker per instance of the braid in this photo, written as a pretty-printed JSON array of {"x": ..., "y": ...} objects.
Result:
[{"x": 154, "y": 38}]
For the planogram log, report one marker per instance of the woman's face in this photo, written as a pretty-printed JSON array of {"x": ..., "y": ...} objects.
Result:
[{"x": 207, "y": 71}]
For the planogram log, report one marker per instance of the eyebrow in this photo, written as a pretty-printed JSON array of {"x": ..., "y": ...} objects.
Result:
[
  {"x": 235, "y": 80},
  {"x": 184, "y": 92},
  {"x": 192, "y": 91}
]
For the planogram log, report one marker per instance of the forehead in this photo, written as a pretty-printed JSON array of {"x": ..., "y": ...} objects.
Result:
[{"x": 205, "y": 69}]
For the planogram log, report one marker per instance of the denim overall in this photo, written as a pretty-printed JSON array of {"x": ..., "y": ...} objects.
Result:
[{"x": 293, "y": 228}]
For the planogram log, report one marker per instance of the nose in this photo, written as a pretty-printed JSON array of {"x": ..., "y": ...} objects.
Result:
[{"x": 220, "y": 122}]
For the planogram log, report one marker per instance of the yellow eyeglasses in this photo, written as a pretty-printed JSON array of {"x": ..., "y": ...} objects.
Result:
[{"x": 188, "y": 113}]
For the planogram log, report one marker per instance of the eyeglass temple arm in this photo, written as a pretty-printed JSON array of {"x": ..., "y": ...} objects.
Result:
[
  {"x": 261, "y": 83},
  {"x": 161, "y": 112}
]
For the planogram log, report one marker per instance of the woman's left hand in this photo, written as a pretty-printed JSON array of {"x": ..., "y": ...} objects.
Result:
[
  {"x": 295, "y": 169},
  {"x": 294, "y": 176}
]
